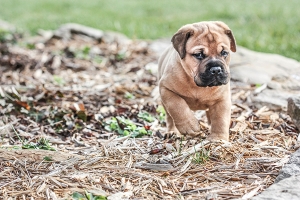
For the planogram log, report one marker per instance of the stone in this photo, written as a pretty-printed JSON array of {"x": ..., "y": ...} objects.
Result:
[
  {"x": 259, "y": 68},
  {"x": 278, "y": 72},
  {"x": 5, "y": 26},
  {"x": 294, "y": 110},
  {"x": 66, "y": 30},
  {"x": 288, "y": 188},
  {"x": 274, "y": 99},
  {"x": 120, "y": 196},
  {"x": 115, "y": 37},
  {"x": 292, "y": 167}
]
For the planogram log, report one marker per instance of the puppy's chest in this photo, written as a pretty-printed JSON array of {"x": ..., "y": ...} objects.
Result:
[{"x": 198, "y": 102}]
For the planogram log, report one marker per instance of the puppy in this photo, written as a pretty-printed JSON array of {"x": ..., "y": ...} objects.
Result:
[{"x": 194, "y": 75}]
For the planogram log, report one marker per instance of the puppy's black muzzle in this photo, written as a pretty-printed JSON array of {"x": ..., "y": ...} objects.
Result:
[{"x": 214, "y": 75}]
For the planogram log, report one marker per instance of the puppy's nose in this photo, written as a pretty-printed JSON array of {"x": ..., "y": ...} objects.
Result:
[{"x": 215, "y": 70}]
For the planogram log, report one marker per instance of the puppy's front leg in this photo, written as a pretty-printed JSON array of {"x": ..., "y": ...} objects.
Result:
[
  {"x": 220, "y": 114},
  {"x": 182, "y": 116}
]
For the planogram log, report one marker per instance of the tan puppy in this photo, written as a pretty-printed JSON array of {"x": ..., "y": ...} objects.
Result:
[{"x": 194, "y": 75}]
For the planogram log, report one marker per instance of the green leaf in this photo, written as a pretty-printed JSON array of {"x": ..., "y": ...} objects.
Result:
[
  {"x": 78, "y": 196},
  {"x": 58, "y": 80},
  {"x": 82, "y": 115},
  {"x": 146, "y": 116},
  {"x": 128, "y": 95},
  {"x": 89, "y": 196},
  {"x": 48, "y": 158},
  {"x": 41, "y": 144},
  {"x": 120, "y": 56},
  {"x": 161, "y": 113},
  {"x": 125, "y": 127},
  {"x": 86, "y": 50}
]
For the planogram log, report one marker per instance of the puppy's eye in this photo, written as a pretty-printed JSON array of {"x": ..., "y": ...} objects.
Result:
[
  {"x": 199, "y": 56},
  {"x": 224, "y": 53}
]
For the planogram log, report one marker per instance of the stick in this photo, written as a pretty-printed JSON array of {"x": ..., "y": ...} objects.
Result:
[{"x": 190, "y": 151}]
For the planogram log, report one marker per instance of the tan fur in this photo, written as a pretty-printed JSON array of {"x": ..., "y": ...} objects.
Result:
[{"x": 179, "y": 93}]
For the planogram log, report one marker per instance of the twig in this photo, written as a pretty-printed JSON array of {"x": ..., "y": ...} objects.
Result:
[
  {"x": 260, "y": 89},
  {"x": 5, "y": 184},
  {"x": 186, "y": 165},
  {"x": 251, "y": 193},
  {"x": 197, "y": 190},
  {"x": 190, "y": 151}
]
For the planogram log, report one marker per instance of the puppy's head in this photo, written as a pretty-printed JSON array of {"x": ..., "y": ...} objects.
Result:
[{"x": 204, "y": 48}]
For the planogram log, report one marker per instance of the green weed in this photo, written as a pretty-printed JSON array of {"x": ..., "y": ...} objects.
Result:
[
  {"x": 41, "y": 144},
  {"x": 146, "y": 116},
  {"x": 161, "y": 113},
  {"x": 125, "y": 127},
  {"x": 201, "y": 157},
  {"x": 129, "y": 95},
  {"x": 87, "y": 196},
  {"x": 58, "y": 80},
  {"x": 83, "y": 53}
]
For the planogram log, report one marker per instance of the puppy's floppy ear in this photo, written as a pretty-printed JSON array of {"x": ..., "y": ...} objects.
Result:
[
  {"x": 179, "y": 40},
  {"x": 232, "y": 40},
  {"x": 228, "y": 32}
]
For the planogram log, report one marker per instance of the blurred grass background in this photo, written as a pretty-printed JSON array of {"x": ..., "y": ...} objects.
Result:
[{"x": 267, "y": 26}]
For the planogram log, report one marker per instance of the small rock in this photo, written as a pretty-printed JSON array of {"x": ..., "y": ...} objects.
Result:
[
  {"x": 292, "y": 167},
  {"x": 114, "y": 37},
  {"x": 211, "y": 196},
  {"x": 120, "y": 196},
  {"x": 285, "y": 189},
  {"x": 66, "y": 30},
  {"x": 159, "y": 46},
  {"x": 273, "y": 99},
  {"x": 169, "y": 147},
  {"x": 294, "y": 110},
  {"x": 274, "y": 85},
  {"x": 152, "y": 67},
  {"x": 5, "y": 26},
  {"x": 280, "y": 77}
]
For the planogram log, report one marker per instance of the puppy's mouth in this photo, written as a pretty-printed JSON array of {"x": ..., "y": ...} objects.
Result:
[{"x": 213, "y": 76}]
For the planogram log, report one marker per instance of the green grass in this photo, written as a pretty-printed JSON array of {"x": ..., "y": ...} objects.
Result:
[{"x": 267, "y": 26}]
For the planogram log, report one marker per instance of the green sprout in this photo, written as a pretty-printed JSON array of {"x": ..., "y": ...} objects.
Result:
[
  {"x": 83, "y": 53},
  {"x": 120, "y": 56},
  {"x": 257, "y": 85},
  {"x": 87, "y": 196},
  {"x": 146, "y": 116},
  {"x": 41, "y": 144},
  {"x": 201, "y": 157},
  {"x": 58, "y": 80},
  {"x": 161, "y": 113},
  {"x": 129, "y": 95},
  {"x": 125, "y": 127}
]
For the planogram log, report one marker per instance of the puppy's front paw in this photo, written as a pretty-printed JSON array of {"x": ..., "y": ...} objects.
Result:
[
  {"x": 217, "y": 137},
  {"x": 191, "y": 127}
]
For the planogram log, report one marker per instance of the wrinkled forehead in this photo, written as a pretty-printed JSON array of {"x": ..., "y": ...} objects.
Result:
[{"x": 208, "y": 35}]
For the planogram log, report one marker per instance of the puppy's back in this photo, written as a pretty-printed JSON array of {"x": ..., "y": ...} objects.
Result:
[{"x": 165, "y": 60}]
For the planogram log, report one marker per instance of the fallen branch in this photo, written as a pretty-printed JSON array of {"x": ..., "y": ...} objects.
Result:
[
  {"x": 36, "y": 155},
  {"x": 154, "y": 167},
  {"x": 197, "y": 190},
  {"x": 66, "y": 30}
]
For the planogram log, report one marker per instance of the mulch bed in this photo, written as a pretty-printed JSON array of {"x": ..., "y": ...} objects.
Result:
[{"x": 67, "y": 91}]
